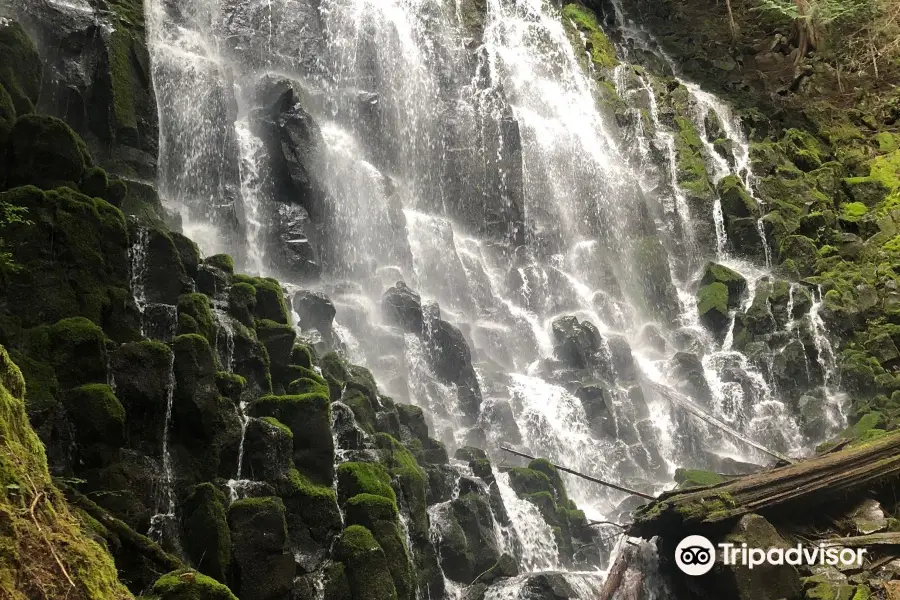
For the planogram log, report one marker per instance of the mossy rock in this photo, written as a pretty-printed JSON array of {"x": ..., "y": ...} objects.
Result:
[
  {"x": 734, "y": 281},
  {"x": 712, "y": 306},
  {"x": 45, "y": 152},
  {"x": 25, "y": 484},
  {"x": 601, "y": 50},
  {"x": 197, "y": 307},
  {"x": 250, "y": 360},
  {"x": 231, "y": 385},
  {"x": 355, "y": 478},
  {"x": 309, "y": 418},
  {"x": 223, "y": 262},
  {"x": 264, "y": 568},
  {"x": 303, "y": 355},
  {"x": 206, "y": 537},
  {"x": 278, "y": 338},
  {"x": 74, "y": 259},
  {"x": 542, "y": 465},
  {"x": 95, "y": 183},
  {"x": 379, "y": 515},
  {"x": 525, "y": 481},
  {"x": 165, "y": 277},
  {"x": 803, "y": 149},
  {"x": 269, "y": 299},
  {"x": 312, "y": 510},
  {"x": 656, "y": 292},
  {"x": 365, "y": 564},
  {"x": 736, "y": 202},
  {"x": 242, "y": 303},
  {"x": 75, "y": 348},
  {"x": 144, "y": 378},
  {"x": 96, "y": 414},
  {"x": 802, "y": 251},
  {"x": 190, "y": 585},
  {"x": 188, "y": 251},
  {"x": 21, "y": 70}
]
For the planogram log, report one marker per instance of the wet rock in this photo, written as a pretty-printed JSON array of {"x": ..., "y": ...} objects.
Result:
[
  {"x": 251, "y": 361},
  {"x": 403, "y": 307},
  {"x": 689, "y": 369},
  {"x": 622, "y": 359},
  {"x": 315, "y": 311},
  {"x": 712, "y": 306},
  {"x": 207, "y": 539},
  {"x": 165, "y": 278},
  {"x": 293, "y": 140},
  {"x": 367, "y": 570},
  {"x": 143, "y": 375},
  {"x": 264, "y": 567},
  {"x": 599, "y": 409},
  {"x": 577, "y": 344},
  {"x": 44, "y": 151},
  {"x": 734, "y": 281},
  {"x": 449, "y": 356},
  {"x": 469, "y": 548},
  {"x": 294, "y": 253},
  {"x": 764, "y": 582},
  {"x": 653, "y": 338},
  {"x": 548, "y": 586},
  {"x": 268, "y": 447}
]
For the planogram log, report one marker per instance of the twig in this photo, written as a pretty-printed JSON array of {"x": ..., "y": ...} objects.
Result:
[
  {"x": 37, "y": 498},
  {"x": 583, "y": 476},
  {"x": 592, "y": 523}
]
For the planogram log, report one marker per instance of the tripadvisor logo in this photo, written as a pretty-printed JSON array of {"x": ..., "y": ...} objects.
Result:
[{"x": 695, "y": 555}]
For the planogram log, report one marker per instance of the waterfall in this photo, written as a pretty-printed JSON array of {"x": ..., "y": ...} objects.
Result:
[
  {"x": 470, "y": 158},
  {"x": 137, "y": 255},
  {"x": 236, "y": 485}
]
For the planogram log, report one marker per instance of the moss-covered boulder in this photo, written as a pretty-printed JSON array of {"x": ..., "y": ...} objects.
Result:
[
  {"x": 96, "y": 415},
  {"x": 144, "y": 378},
  {"x": 469, "y": 544},
  {"x": 35, "y": 511},
  {"x": 601, "y": 50},
  {"x": 205, "y": 534},
  {"x": 801, "y": 251},
  {"x": 190, "y": 585},
  {"x": 242, "y": 303},
  {"x": 264, "y": 566},
  {"x": 74, "y": 262},
  {"x": 366, "y": 567},
  {"x": 164, "y": 277},
  {"x": 268, "y": 450},
  {"x": 278, "y": 338},
  {"x": 269, "y": 299},
  {"x": 734, "y": 281},
  {"x": 250, "y": 360},
  {"x": 712, "y": 306},
  {"x": 197, "y": 307},
  {"x": 309, "y": 418},
  {"x": 45, "y": 152},
  {"x": 313, "y": 516},
  {"x": 355, "y": 478},
  {"x": 21, "y": 73},
  {"x": 379, "y": 515}
]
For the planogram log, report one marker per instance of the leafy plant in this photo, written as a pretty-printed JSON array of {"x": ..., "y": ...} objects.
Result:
[{"x": 812, "y": 18}]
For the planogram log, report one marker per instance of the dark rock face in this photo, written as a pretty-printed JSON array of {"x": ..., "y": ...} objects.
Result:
[
  {"x": 450, "y": 357},
  {"x": 402, "y": 307},
  {"x": 264, "y": 567},
  {"x": 97, "y": 78},
  {"x": 315, "y": 310}
]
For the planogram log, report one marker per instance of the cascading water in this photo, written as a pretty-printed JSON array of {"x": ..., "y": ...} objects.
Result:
[
  {"x": 162, "y": 524},
  {"x": 469, "y": 158}
]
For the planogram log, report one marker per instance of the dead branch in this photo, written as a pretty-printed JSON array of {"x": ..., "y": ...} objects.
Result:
[{"x": 583, "y": 476}]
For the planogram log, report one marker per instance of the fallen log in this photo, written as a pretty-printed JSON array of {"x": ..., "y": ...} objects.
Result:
[
  {"x": 889, "y": 538},
  {"x": 811, "y": 481}
]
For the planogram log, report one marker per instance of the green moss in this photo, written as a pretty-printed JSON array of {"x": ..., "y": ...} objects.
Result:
[
  {"x": 365, "y": 565},
  {"x": 279, "y": 425},
  {"x": 603, "y": 53},
  {"x": 802, "y": 251},
  {"x": 309, "y": 418},
  {"x": 207, "y": 539},
  {"x": 734, "y": 281},
  {"x": 221, "y": 261},
  {"x": 25, "y": 490},
  {"x": 21, "y": 71},
  {"x": 278, "y": 339},
  {"x": 853, "y": 211},
  {"x": 45, "y": 152},
  {"x": 695, "y": 478},
  {"x": 529, "y": 481},
  {"x": 270, "y": 302},
  {"x": 311, "y": 507},
  {"x": 692, "y": 173},
  {"x": 542, "y": 465},
  {"x": 712, "y": 297},
  {"x": 94, "y": 182},
  {"x": 76, "y": 348},
  {"x": 190, "y": 585},
  {"x": 231, "y": 385},
  {"x": 364, "y": 478},
  {"x": 242, "y": 303},
  {"x": 802, "y": 149},
  {"x": 96, "y": 413},
  {"x": 123, "y": 103},
  {"x": 197, "y": 307},
  {"x": 379, "y": 515},
  {"x": 411, "y": 480}
]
